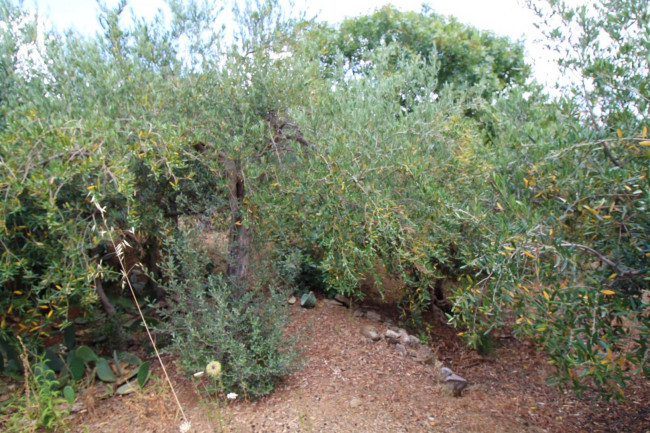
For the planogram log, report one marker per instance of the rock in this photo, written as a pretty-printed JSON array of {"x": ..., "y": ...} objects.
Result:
[
  {"x": 411, "y": 341},
  {"x": 356, "y": 402},
  {"x": 291, "y": 300},
  {"x": 392, "y": 334},
  {"x": 343, "y": 300},
  {"x": 454, "y": 382},
  {"x": 401, "y": 349},
  {"x": 392, "y": 337},
  {"x": 308, "y": 300},
  {"x": 359, "y": 313},
  {"x": 373, "y": 315},
  {"x": 78, "y": 407},
  {"x": 371, "y": 332},
  {"x": 425, "y": 355},
  {"x": 333, "y": 303}
]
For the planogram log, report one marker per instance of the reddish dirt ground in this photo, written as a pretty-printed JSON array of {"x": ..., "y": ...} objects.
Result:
[{"x": 348, "y": 384}]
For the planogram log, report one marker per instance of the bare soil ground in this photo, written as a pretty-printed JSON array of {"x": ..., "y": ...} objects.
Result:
[{"x": 348, "y": 384}]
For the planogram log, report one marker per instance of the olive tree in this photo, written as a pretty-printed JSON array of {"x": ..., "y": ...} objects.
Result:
[{"x": 570, "y": 194}]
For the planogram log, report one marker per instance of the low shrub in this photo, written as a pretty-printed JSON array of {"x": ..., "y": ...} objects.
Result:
[{"x": 209, "y": 320}]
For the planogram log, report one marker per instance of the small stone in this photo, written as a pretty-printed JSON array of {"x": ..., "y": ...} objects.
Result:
[
  {"x": 454, "y": 382},
  {"x": 345, "y": 301},
  {"x": 291, "y": 300},
  {"x": 411, "y": 341},
  {"x": 445, "y": 372},
  {"x": 401, "y": 349},
  {"x": 393, "y": 328},
  {"x": 392, "y": 334},
  {"x": 373, "y": 315},
  {"x": 332, "y": 302},
  {"x": 355, "y": 402},
  {"x": 425, "y": 355},
  {"x": 392, "y": 337},
  {"x": 371, "y": 332},
  {"x": 359, "y": 313}
]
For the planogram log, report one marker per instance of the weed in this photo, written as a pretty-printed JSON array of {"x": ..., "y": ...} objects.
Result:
[{"x": 41, "y": 405}]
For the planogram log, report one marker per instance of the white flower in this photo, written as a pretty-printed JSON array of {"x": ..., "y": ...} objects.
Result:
[
  {"x": 213, "y": 369},
  {"x": 232, "y": 396},
  {"x": 185, "y": 427}
]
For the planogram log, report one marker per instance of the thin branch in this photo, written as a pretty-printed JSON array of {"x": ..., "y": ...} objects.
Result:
[
  {"x": 72, "y": 154},
  {"x": 610, "y": 156},
  {"x": 299, "y": 138},
  {"x": 621, "y": 271}
]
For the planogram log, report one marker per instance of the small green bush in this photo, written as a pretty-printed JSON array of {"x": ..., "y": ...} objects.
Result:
[
  {"x": 42, "y": 405},
  {"x": 208, "y": 321}
]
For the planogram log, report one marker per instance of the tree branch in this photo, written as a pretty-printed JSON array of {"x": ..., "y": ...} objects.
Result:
[
  {"x": 621, "y": 271},
  {"x": 609, "y": 155}
]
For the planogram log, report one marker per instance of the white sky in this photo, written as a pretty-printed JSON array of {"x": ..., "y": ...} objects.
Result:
[{"x": 504, "y": 17}]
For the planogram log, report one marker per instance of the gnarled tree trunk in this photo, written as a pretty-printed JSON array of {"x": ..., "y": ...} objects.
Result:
[{"x": 239, "y": 243}]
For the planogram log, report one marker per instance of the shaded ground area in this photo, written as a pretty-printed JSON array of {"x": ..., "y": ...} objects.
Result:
[{"x": 349, "y": 384}]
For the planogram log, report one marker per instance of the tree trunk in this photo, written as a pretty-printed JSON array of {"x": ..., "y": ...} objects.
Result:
[
  {"x": 438, "y": 298},
  {"x": 106, "y": 303},
  {"x": 152, "y": 258},
  {"x": 239, "y": 243}
]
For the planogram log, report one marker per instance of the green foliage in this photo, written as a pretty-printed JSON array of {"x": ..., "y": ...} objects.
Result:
[
  {"x": 571, "y": 229},
  {"x": 9, "y": 359},
  {"x": 84, "y": 364},
  {"x": 209, "y": 321},
  {"x": 69, "y": 394},
  {"x": 571, "y": 180},
  {"x": 400, "y": 143},
  {"x": 53, "y": 377},
  {"x": 605, "y": 42},
  {"x": 41, "y": 405},
  {"x": 329, "y": 213},
  {"x": 77, "y": 138},
  {"x": 464, "y": 55}
]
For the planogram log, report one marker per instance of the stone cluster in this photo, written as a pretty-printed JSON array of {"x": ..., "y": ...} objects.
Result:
[
  {"x": 397, "y": 338},
  {"x": 409, "y": 346}
]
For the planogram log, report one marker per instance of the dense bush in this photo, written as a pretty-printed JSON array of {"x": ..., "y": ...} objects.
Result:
[
  {"x": 208, "y": 320},
  {"x": 573, "y": 248},
  {"x": 338, "y": 166},
  {"x": 77, "y": 139}
]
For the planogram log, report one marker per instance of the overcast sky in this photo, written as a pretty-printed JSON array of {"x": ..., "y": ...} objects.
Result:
[{"x": 504, "y": 17}]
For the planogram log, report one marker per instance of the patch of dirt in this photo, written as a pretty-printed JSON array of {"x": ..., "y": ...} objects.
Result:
[{"x": 348, "y": 384}]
